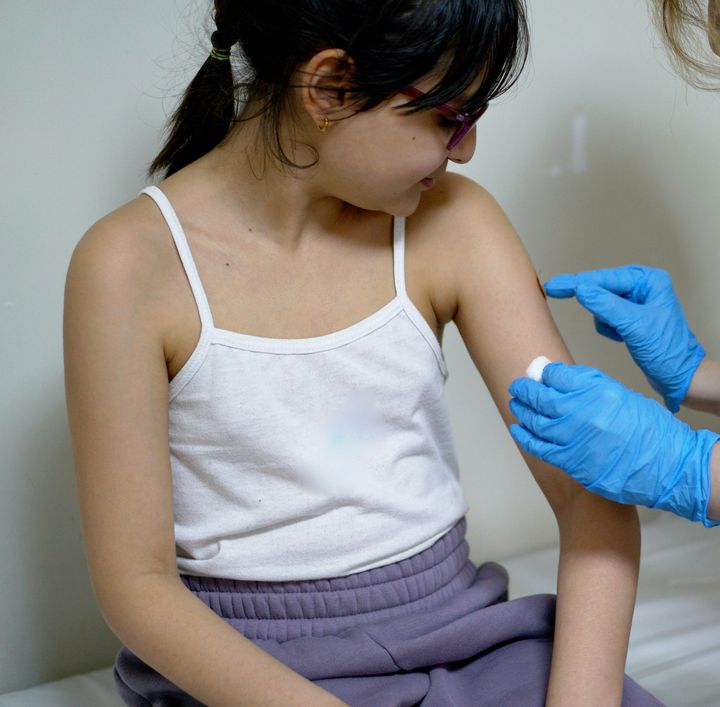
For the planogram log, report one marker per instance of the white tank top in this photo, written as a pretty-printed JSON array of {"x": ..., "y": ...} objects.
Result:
[{"x": 310, "y": 458}]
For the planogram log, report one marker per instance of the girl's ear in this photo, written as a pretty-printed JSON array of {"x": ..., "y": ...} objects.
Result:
[{"x": 325, "y": 81}]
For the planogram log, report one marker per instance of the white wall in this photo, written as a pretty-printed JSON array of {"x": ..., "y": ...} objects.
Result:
[
  {"x": 85, "y": 87},
  {"x": 81, "y": 85}
]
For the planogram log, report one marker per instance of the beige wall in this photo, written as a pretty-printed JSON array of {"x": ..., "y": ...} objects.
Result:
[{"x": 600, "y": 158}]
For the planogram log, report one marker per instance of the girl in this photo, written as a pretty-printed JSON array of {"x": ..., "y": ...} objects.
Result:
[{"x": 267, "y": 480}]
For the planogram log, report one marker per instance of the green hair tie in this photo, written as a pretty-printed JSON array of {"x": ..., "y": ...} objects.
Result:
[{"x": 220, "y": 54}]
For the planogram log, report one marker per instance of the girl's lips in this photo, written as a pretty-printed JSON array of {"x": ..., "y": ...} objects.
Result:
[{"x": 427, "y": 182}]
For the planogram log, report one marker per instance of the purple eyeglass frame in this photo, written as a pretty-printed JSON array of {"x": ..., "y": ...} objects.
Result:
[{"x": 467, "y": 120}]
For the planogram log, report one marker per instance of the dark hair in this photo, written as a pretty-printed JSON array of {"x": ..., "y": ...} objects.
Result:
[
  {"x": 685, "y": 27},
  {"x": 392, "y": 44}
]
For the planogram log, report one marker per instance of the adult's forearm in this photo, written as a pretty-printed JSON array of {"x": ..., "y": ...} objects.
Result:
[
  {"x": 713, "y": 509},
  {"x": 165, "y": 625},
  {"x": 704, "y": 394},
  {"x": 704, "y": 391},
  {"x": 597, "y": 582}
]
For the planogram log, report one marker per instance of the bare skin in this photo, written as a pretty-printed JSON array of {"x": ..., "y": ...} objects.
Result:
[
  {"x": 704, "y": 394},
  {"x": 714, "y": 25},
  {"x": 713, "y": 509},
  {"x": 288, "y": 257}
]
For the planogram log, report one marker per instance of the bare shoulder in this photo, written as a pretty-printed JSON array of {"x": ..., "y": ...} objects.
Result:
[
  {"x": 452, "y": 201},
  {"x": 126, "y": 262},
  {"x": 463, "y": 231},
  {"x": 122, "y": 249}
]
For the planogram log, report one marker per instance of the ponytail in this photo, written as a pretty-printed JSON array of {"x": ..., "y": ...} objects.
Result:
[{"x": 205, "y": 114}]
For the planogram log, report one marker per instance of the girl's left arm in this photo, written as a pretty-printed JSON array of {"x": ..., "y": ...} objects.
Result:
[{"x": 504, "y": 321}]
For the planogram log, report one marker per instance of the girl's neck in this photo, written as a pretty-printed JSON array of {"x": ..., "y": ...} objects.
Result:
[{"x": 287, "y": 204}]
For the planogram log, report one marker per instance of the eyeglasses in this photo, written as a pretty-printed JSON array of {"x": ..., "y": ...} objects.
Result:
[{"x": 466, "y": 121}]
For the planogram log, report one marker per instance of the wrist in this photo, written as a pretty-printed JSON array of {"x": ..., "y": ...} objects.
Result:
[
  {"x": 713, "y": 507},
  {"x": 678, "y": 392},
  {"x": 685, "y": 486},
  {"x": 704, "y": 391}
]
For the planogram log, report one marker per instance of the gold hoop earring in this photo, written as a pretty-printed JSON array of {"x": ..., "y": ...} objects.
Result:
[{"x": 326, "y": 124}]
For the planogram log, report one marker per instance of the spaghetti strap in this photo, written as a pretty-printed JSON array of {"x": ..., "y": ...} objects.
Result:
[
  {"x": 399, "y": 256},
  {"x": 183, "y": 250},
  {"x": 401, "y": 291}
]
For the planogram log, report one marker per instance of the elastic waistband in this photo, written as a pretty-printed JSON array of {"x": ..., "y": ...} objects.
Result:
[{"x": 280, "y": 610}]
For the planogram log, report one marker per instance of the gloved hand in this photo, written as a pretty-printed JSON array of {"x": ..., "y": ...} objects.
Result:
[
  {"x": 637, "y": 305},
  {"x": 614, "y": 441}
]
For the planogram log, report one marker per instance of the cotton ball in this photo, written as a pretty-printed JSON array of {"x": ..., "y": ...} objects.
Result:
[{"x": 536, "y": 368}]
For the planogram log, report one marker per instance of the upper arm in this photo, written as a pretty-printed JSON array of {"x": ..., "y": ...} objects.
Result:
[
  {"x": 501, "y": 313},
  {"x": 117, "y": 397},
  {"x": 500, "y": 309}
]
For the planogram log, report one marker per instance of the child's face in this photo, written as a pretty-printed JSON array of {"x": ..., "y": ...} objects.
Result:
[{"x": 383, "y": 159}]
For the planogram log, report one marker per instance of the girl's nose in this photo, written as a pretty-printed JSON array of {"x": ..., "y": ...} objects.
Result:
[{"x": 465, "y": 149}]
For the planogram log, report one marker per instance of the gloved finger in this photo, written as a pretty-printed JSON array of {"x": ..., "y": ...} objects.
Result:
[
  {"x": 652, "y": 283},
  {"x": 608, "y": 307},
  {"x": 607, "y": 331},
  {"x": 624, "y": 281},
  {"x": 536, "y": 396},
  {"x": 540, "y": 425},
  {"x": 561, "y": 286},
  {"x": 563, "y": 378},
  {"x": 631, "y": 282},
  {"x": 534, "y": 445}
]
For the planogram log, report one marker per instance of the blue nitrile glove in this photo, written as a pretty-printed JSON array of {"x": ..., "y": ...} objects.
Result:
[
  {"x": 637, "y": 304},
  {"x": 614, "y": 441}
]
